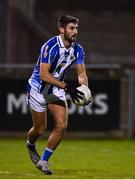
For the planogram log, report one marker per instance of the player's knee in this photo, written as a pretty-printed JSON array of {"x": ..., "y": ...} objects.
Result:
[
  {"x": 62, "y": 126},
  {"x": 40, "y": 130}
]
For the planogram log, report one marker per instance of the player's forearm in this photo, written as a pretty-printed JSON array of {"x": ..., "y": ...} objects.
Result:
[
  {"x": 82, "y": 76},
  {"x": 52, "y": 80},
  {"x": 83, "y": 80}
]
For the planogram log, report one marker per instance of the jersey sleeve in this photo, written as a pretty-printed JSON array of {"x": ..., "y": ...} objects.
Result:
[
  {"x": 45, "y": 54},
  {"x": 80, "y": 55}
]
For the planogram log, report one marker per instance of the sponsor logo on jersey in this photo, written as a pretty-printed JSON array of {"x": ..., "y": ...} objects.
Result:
[{"x": 45, "y": 52}]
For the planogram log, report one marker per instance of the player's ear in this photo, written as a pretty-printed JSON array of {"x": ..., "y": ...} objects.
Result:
[{"x": 61, "y": 29}]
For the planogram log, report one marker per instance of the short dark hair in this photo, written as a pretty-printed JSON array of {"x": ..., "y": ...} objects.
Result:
[{"x": 64, "y": 20}]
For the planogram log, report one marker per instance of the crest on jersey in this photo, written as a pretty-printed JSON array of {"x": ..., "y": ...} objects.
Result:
[{"x": 45, "y": 52}]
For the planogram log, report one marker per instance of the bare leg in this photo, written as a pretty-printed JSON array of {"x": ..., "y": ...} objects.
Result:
[
  {"x": 60, "y": 114},
  {"x": 39, "y": 125},
  {"x": 59, "y": 111}
]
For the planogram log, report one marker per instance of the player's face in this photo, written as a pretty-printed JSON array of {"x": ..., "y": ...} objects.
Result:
[{"x": 70, "y": 32}]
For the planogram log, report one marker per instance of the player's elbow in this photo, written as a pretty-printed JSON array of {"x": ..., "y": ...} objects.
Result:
[{"x": 44, "y": 77}]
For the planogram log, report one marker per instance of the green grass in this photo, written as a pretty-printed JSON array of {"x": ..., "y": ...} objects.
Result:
[{"x": 72, "y": 159}]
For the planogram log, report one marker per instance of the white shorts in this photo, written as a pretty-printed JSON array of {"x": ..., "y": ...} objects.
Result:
[{"x": 38, "y": 102}]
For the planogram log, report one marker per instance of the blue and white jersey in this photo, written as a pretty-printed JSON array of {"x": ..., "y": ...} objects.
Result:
[{"x": 60, "y": 58}]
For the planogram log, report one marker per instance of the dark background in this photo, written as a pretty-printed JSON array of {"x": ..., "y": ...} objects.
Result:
[{"x": 107, "y": 34}]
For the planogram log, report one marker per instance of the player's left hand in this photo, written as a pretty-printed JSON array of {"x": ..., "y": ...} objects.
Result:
[{"x": 74, "y": 92}]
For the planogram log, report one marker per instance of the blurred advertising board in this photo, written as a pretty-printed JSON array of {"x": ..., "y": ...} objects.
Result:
[{"x": 102, "y": 115}]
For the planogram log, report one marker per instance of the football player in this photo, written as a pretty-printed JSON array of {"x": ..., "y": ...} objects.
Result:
[{"x": 46, "y": 88}]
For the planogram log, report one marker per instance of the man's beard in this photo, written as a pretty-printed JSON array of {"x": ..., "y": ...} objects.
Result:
[{"x": 70, "y": 39}]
